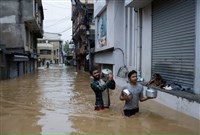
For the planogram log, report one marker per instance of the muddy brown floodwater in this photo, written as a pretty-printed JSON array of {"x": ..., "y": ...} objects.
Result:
[{"x": 59, "y": 100}]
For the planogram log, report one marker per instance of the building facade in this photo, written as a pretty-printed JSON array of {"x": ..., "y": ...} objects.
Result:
[
  {"x": 45, "y": 52},
  {"x": 21, "y": 23},
  {"x": 83, "y": 32},
  {"x": 69, "y": 56},
  {"x": 109, "y": 35},
  {"x": 50, "y": 48},
  {"x": 152, "y": 36}
]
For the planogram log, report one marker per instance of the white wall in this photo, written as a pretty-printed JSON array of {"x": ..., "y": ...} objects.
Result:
[
  {"x": 104, "y": 58},
  {"x": 111, "y": 16},
  {"x": 119, "y": 34},
  {"x": 197, "y": 53},
  {"x": 127, "y": 2},
  {"x": 115, "y": 35},
  {"x": 180, "y": 104},
  {"x": 131, "y": 52},
  {"x": 146, "y": 43},
  {"x": 99, "y": 6},
  {"x": 110, "y": 11}
]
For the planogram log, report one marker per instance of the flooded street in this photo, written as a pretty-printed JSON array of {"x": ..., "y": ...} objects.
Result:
[{"x": 59, "y": 100}]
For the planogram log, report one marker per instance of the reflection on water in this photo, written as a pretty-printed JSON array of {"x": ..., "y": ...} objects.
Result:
[
  {"x": 19, "y": 105},
  {"x": 37, "y": 103},
  {"x": 56, "y": 85},
  {"x": 59, "y": 100}
]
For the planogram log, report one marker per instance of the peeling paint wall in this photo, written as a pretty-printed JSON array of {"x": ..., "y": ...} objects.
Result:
[{"x": 10, "y": 24}]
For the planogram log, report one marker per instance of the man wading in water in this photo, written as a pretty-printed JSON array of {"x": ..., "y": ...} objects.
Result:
[
  {"x": 131, "y": 105},
  {"x": 101, "y": 89}
]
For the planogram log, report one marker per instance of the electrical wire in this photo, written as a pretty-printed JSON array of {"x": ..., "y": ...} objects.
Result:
[
  {"x": 58, "y": 22},
  {"x": 65, "y": 30},
  {"x": 53, "y": 24},
  {"x": 60, "y": 32},
  {"x": 55, "y": 19},
  {"x": 68, "y": 28},
  {"x": 60, "y": 7}
]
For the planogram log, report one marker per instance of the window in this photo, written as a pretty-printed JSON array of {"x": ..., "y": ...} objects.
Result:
[{"x": 45, "y": 51}]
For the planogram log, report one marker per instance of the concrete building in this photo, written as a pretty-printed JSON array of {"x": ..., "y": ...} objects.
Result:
[
  {"x": 152, "y": 36},
  {"x": 69, "y": 56},
  {"x": 48, "y": 41},
  {"x": 45, "y": 52},
  {"x": 83, "y": 33},
  {"x": 21, "y": 23}
]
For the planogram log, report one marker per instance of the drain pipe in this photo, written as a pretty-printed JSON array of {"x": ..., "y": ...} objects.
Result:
[
  {"x": 122, "y": 54},
  {"x": 123, "y": 70}
]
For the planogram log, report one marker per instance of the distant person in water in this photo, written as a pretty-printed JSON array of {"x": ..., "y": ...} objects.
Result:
[
  {"x": 47, "y": 64},
  {"x": 101, "y": 88}
]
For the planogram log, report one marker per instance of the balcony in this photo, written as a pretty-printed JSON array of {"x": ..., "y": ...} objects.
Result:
[
  {"x": 35, "y": 26},
  {"x": 78, "y": 26},
  {"x": 33, "y": 18}
]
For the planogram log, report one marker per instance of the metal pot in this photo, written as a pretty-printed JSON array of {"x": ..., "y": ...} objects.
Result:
[
  {"x": 126, "y": 92},
  {"x": 104, "y": 73},
  {"x": 152, "y": 93}
]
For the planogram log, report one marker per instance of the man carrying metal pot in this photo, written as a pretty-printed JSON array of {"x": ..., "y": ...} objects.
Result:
[
  {"x": 132, "y": 93},
  {"x": 101, "y": 88}
]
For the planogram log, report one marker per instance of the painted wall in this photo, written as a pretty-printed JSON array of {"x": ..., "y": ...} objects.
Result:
[
  {"x": 28, "y": 9},
  {"x": 12, "y": 21},
  {"x": 146, "y": 42},
  {"x": 119, "y": 37},
  {"x": 130, "y": 38},
  {"x": 110, "y": 10},
  {"x": 12, "y": 71},
  {"x": 128, "y": 2},
  {"x": 180, "y": 104},
  {"x": 197, "y": 53},
  {"x": 99, "y": 6},
  {"x": 115, "y": 36},
  {"x": 104, "y": 58},
  {"x": 21, "y": 68}
]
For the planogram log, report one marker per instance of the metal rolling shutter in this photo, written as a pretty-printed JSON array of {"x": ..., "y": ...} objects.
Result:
[{"x": 173, "y": 41}]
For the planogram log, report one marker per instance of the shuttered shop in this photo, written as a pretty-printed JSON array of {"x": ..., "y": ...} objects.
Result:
[{"x": 173, "y": 41}]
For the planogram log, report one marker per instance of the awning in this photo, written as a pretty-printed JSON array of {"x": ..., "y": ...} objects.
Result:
[{"x": 20, "y": 58}]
